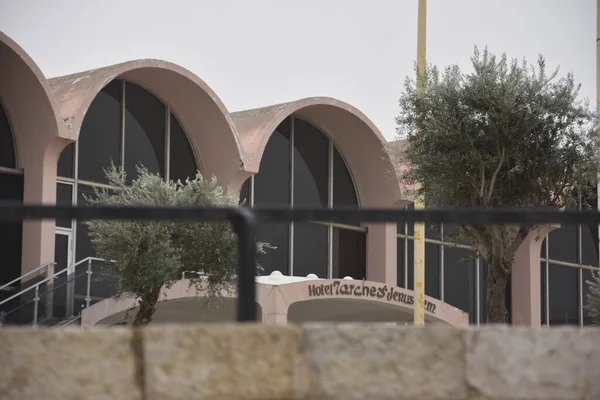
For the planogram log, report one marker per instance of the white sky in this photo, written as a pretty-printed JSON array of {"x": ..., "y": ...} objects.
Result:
[{"x": 260, "y": 52}]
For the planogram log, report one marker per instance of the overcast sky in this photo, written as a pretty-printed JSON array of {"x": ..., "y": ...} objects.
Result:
[{"x": 259, "y": 52}]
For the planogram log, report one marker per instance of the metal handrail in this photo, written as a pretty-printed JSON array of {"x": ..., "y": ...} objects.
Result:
[
  {"x": 36, "y": 286},
  {"x": 77, "y": 318},
  {"x": 20, "y": 278},
  {"x": 54, "y": 288}
]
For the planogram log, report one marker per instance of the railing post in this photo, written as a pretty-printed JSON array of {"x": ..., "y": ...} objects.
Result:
[
  {"x": 36, "y": 299},
  {"x": 244, "y": 225},
  {"x": 88, "y": 297}
]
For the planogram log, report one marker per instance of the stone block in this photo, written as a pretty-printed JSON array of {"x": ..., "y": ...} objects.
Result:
[
  {"x": 68, "y": 364},
  {"x": 511, "y": 363},
  {"x": 229, "y": 362},
  {"x": 383, "y": 362}
]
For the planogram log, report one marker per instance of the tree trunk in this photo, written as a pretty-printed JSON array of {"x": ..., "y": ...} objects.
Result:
[
  {"x": 497, "y": 280},
  {"x": 147, "y": 308}
]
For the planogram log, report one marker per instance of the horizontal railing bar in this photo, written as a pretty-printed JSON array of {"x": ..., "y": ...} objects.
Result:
[
  {"x": 20, "y": 278},
  {"x": 54, "y": 288},
  {"x": 450, "y": 216},
  {"x": 569, "y": 264},
  {"x": 438, "y": 242},
  {"x": 32, "y": 287},
  {"x": 16, "y": 212}
]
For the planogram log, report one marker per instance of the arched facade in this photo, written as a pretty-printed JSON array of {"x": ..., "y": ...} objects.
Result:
[
  {"x": 57, "y": 135},
  {"x": 302, "y": 166},
  {"x": 361, "y": 146},
  {"x": 128, "y": 126},
  {"x": 11, "y": 189}
]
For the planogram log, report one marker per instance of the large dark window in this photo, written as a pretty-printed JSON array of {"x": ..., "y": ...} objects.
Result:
[
  {"x": 459, "y": 279},
  {"x": 145, "y": 127},
  {"x": 301, "y": 166},
  {"x": 182, "y": 161},
  {"x": 11, "y": 189},
  {"x": 310, "y": 249},
  {"x": 128, "y": 126},
  {"x": 571, "y": 252},
  {"x": 100, "y": 137},
  {"x": 349, "y": 254},
  {"x": 311, "y": 149},
  {"x": 7, "y": 149}
]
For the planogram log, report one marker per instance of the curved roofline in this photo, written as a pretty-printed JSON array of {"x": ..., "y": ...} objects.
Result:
[
  {"x": 200, "y": 110},
  {"x": 31, "y": 111},
  {"x": 355, "y": 135}
]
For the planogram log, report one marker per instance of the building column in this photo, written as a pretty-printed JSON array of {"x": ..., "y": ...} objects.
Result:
[
  {"x": 39, "y": 187},
  {"x": 382, "y": 253},
  {"x": 526, "y": 291},
  {"x": 274, "y": 306}
]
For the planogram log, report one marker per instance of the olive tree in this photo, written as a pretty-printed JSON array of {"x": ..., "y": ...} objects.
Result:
[
  {"x": 508, "y": 134},
  {"x": 145, "y": 256}
]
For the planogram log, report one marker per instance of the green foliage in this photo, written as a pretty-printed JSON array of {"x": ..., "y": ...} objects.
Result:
[
  {"x": 507, "y": 135},
  {"x": 593, "y": 297},
  {"x": 149, "y": 255}
]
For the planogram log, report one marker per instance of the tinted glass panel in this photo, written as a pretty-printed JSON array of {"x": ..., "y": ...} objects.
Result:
[
  {"x": 543, "y": 291},
  {"x": 349, "y": 254},
  {"x": 311, "y": 170},
  {"x": 589, "y": 238},
  {"x": 563, "y": 295},
  {"x": 432, "y": 231},
  {"x": 276, "y": 259},
  {"x": 245, "y": 192},
  {"x": 84, "y": 244},
  {"x": 65, "y": 161},
  {"x": 310, "y": 249},
  {"x": 432, "y": 270},
  {"x": 64, "y": 198},
  {"x": 344, "y": 194},
  {"x": 144, "y": 131},
  {"x": 410, "y": 264},
  {"x": 410, "y": 227},
  {"x": 100, "y": 138},
  {"x": 272, "y": 183},
  {"x": 563, "y": 244},
  {"x": 459, "y": 279},
  {"x": 181, "y": 160},
  {"x": 11, "y": 188},
  {"x": 483, "y": 270},
  {"x": 7, "y": 148},
  {"x": 400, "y": 262}
]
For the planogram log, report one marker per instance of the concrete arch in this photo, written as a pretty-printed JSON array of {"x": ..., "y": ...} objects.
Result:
[
  {"x": 38, "y": 133},
  {"x": 316, "y": 291},
  {"x": 28, "y": 100},
  {"x": 358, "y": 139},
  {"x": 204, "y": 117}
]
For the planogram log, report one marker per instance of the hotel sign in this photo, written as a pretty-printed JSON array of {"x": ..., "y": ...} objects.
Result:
[{"x": 362, "y": 290}]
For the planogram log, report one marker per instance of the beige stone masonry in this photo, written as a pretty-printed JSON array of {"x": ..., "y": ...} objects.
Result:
[{"x": 321, "y": 362}]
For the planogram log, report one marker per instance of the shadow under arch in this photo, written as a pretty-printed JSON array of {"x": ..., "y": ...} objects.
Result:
[
  {"x": 201, "y": 113},
  {"x": 357, "y": 138}
]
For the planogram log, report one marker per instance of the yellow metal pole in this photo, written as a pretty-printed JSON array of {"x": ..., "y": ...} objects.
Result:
[
  {"x": 598, "y": 97},
  {"x": 419, "y": 241}
]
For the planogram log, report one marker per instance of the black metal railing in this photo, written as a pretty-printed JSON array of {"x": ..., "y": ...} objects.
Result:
[{"x": 244, "y": 221}]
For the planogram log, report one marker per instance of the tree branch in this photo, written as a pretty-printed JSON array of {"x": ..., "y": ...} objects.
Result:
[
  {"x": 521, "y": 235},
  {"x": 495, "y": 176},
  {"x": 479, "y": 238}
]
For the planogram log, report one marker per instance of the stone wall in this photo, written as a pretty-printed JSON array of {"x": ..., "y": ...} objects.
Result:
[{"x": 288, "y": 362}]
